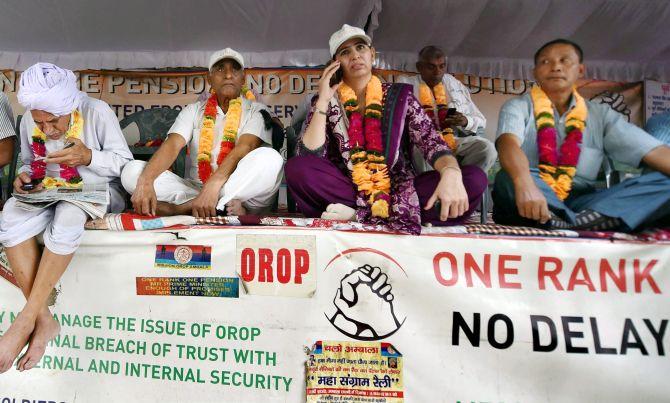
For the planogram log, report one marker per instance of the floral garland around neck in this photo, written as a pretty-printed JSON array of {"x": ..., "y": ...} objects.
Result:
[
  {"x": 440, "y": 101},
  {"x": 230, "y": 128},
  {"x": 558, "y": 167},
  {"x": 370, "y": 172},
  {"x": 69, "y": 176}
]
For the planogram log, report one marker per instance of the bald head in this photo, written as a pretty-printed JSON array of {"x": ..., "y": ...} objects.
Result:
[
  {"x": 430, "y": 52},
  {"x": 432, "y": 65}
]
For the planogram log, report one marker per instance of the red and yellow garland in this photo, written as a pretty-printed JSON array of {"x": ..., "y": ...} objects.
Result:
[
  {"x": 230, "y": 128},
  {"x": 558, "y": 170},
  {"x": 438, "y": 102},
  {"x": 370, "y": 173},
  {"x": 69, "y": 176}
]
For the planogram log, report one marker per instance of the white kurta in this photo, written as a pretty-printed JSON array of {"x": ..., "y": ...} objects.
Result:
[
  {"x": 255, "y": 180},
  {"x": 63, "y": 223},
  {"x": 189, "y": 121},
  {"x": 103, "y": 135},
  {"x": 459, "y": 98},
  {"x": 472, "y": 150}
]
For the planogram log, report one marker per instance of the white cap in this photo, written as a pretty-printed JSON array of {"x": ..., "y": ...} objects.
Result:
[
  {"x": 344, "y": 34},
  {"x": 226, "y": 53}
]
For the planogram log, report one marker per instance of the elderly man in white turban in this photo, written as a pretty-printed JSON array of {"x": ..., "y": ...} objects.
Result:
[
  {"x": 96, "y": 152},
  {"x": 232, "y": 169}
]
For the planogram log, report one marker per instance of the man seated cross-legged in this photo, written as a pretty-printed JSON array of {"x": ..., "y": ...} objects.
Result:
[
  {"x": 233, "y": 169},
  {"x": 552, "y": 143}
]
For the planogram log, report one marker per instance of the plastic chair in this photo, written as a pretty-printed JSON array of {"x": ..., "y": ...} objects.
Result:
[
  {"x": 154, "y": 124},
  {"x": 291, "y": 144},
  {"x": 278, "y": 135},
  {"x": 659, "y": 127}
]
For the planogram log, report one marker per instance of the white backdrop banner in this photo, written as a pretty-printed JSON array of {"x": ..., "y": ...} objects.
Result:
[{"x": 268, "y": 315}]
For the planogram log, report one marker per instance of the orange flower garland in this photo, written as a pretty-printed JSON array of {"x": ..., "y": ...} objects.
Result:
[
  {"x": 230, "y": 128},
  {"x": 370, "y": 172},
  {"x": 428, "y": 102},
  {"x": 69, "y": 176},
  {"x": 558, "y": 170}
]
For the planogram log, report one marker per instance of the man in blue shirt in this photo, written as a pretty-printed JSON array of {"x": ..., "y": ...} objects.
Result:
[{"x": 521, "y": 197}]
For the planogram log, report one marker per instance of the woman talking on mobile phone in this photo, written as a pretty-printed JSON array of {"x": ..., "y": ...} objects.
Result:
[{"x": 353, "y": 158}]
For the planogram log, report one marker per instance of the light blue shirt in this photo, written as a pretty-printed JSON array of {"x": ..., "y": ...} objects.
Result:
[{"x": 607, "y": 133}]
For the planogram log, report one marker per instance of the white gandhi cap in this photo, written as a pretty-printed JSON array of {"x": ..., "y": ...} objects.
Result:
[
  {"x": 344, "y": 34},
  {"x": 226, "y": 53}
]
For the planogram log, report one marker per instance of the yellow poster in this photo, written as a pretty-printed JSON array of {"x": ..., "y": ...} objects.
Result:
[{"x": 369, "y": 372}]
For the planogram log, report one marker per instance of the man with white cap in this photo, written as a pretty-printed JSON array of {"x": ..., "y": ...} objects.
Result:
[
  {"x": 353, "y": 155},
  {"x": 232, "y": 167},
  {"x": 96, "y": 151}
]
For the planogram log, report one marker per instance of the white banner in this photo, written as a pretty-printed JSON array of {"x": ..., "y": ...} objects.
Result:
[{"x": 454, "y": 318}]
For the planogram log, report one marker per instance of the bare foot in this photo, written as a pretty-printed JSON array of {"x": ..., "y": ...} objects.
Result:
[
  {"x": 165, "y": 209},
  {"x": 235, "y": 207},
  {"x": 46, "y": 328},
  {"x": 98, "y": 223},
  {"x": 339, "y": 211},
  {"x": 14, "y": 340}
]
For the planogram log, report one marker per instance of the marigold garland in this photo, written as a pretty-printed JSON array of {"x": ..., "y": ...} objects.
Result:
[
  {"x": 69, "y": 176},
  {"x": 230, "y": 128},
  {"x": 370, "y": 172},
  {"x": 437, "y": 99},
  {"x": 558, "y": 169}
]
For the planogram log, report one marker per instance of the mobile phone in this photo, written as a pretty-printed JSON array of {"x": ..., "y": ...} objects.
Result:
[
  {"x": 451, "y": 111},
  {"x": 337, "y": 77},
  {"x": 32, "y": 185}
]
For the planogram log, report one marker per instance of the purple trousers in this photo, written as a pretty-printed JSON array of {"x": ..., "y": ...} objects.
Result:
[{"x": 316, "y": 182}]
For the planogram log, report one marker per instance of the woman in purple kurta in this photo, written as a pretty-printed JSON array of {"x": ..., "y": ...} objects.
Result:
[{"x": 320, "y": 176}]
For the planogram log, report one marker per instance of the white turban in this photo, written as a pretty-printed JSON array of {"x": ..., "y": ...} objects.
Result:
[{"x": 47, "y": 87}]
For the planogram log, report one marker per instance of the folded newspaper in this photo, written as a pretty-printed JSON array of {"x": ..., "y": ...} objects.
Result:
[{"x": 92, "y": 198}]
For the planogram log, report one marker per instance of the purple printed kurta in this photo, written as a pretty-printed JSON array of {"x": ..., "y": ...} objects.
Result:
[{"x": 404, "y": 125}]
